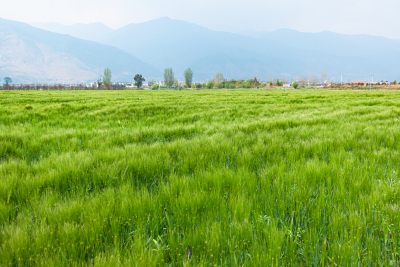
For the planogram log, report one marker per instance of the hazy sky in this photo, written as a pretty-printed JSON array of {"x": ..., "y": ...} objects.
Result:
[{"x": 375, "y": 17}]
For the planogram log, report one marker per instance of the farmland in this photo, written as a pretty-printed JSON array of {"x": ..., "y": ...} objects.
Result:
[{"x": 242, "y": 177}]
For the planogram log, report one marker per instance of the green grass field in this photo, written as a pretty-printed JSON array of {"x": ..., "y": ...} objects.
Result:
[{"x": 244, "y": 177}]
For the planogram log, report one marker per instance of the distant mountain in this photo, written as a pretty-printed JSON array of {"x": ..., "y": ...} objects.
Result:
[
  {"x": 166, "y": 42},
  {"x": 96, "y": 32},
  {"x": 361, "y": 45},
  {"x": 29, "y": 54}
]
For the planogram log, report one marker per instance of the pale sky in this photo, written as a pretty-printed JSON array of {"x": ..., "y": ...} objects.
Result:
[{"x": 374, "y": 17}]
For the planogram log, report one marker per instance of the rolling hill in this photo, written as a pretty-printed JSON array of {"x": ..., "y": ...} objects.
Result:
[{"x": 29, "y": 55}]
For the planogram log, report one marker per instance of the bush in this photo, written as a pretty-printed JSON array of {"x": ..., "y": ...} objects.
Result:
[
  {"x": 263, "y": 85},
  {"x": 210, "y": 84},
  {"x": 232, "y": 86},
  {"x": 220, "y": 85},
  {"x": 247, "y": 84},
  {"x": 295, "y": 85},
  {"x": 155, "y": 87},
  {"x": 198, "y": 86},
  {"x": 270, "y": 83}
]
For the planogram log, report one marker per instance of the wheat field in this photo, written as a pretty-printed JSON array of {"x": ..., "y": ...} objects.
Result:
[{"x": 199, "y": 178}]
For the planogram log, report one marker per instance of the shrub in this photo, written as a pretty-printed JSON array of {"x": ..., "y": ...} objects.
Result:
[
  {"x": 155, "y": 87},
  {"x": 295, "y": 85},
  {"x": 232, "y": 86},
  {"x": 210, "y": 84},
  {"x": 198, "y": 86},
  {"x": 220, "y": 85}
]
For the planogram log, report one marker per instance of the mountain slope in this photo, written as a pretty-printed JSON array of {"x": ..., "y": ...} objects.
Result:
[
  {"x": 96, "y": 32},
  {"x": 29, "y": 54},
  {"x": 166, "y": 42}
]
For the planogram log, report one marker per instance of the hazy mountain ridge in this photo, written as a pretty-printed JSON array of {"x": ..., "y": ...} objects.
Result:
[
  {"x": 166, "y": 42},
  {"x": 29, "y": 54},
  {"x": 96, "y": 32}
]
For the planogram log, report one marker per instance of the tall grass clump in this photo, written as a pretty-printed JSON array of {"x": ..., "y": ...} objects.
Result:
[{"x": 199, "y": 178}]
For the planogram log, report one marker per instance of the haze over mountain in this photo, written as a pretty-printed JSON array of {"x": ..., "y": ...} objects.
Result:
[
  {"x": 29, "y": 55},
  {"x": 97, "y": 32},
  {"x": 166, "y": 42}
]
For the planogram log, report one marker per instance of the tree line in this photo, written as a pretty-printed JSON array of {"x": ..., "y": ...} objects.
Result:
[{"x": 217, "y": 82}]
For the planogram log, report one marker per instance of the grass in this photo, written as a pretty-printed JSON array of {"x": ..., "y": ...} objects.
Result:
[{"x": 245, "y": 178}]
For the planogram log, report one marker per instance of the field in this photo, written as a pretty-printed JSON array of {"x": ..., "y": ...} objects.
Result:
[{"x": 242, "y": 178}]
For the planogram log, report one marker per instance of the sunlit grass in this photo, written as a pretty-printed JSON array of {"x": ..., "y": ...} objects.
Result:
[{"x": 253, "y": 178}]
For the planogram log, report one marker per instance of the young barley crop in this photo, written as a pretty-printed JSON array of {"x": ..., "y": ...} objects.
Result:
[{"x": 198, "y": 178}]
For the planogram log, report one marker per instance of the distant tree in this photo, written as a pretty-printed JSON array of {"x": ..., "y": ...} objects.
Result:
[
  {"x": 312, "y": 78},
  {"x": 220, "y": 85},
  {"x": 99, "y": 82},
  {"x": 295, "y": 85},
  {"x": 151, "y": 82},
  {"x": 270, "y": 84},
  {"x": 394, "y": 82},
  {"x": 107, "y": 77},
  {"x": 232, "y": 86},
  {"x": 169, "y": 77},
  {"x": 210, "y": 84},
  {"x": 198, "y": 85},
  {"x": 7, "y": 81},
  {"x": 139, "y": 80},
  {"x": 188, "y": 77},
  {"x": 154, "y": 86},
  {"x": 256, "y": 82},
  {"x": 176, "y": 83},
  {"x": 324, "y": 77},
  {"x": 249, "y": 83},
  {"x": 219, "y": 77}
]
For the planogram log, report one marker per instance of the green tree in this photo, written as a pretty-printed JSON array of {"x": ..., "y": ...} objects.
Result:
[
  {"x": 107, "y": 77},
  {"x": 7, "y": 81},
  {"x": 155, "y": 86},
  {"x": 169, "y": 77},
  {"x": 139, "y": 80},
  {"x": 295, "y": 85},
  {"x": 188, "y": 77},
  {"x": 210, "y": 84},
  {"x": 198, "y": 85}
]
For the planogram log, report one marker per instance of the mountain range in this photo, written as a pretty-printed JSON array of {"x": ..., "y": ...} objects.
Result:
[
  {"x": 166, "y": 42},
  {"x": 29, "y": 55},
  {"x": 147, "y": 48}
]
